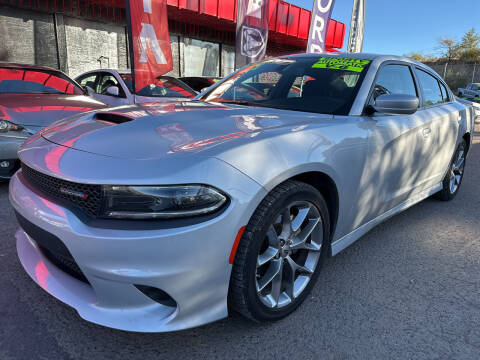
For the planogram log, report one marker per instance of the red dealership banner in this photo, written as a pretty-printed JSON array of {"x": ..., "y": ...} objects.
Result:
[{"x": 150, "y": 51}]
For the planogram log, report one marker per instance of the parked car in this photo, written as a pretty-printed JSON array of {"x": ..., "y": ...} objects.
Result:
[
  {"x": 472, "y": 91},
  {"x": 114, "y": 87},
  {"x": 199, "y": 83},
  {"x": 475, "y": 103},
  {"x": 161, "y": 217},
  {"x": 32, "y": 97}
]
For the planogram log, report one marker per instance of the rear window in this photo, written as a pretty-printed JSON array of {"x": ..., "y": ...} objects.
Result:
[{"x": 29, "y": 81}]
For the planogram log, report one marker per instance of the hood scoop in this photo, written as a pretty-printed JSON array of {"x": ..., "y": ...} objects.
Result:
[{"x": 112, "y": 117}]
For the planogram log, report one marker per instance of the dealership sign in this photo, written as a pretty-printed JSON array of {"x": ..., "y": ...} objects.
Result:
[
  {"x": 322, "y": 10},
  {"x": 150, "y": 51},
  {"x": 252, "y": 31}
]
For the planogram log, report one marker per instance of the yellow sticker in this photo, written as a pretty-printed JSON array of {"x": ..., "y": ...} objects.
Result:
[{"x": 334, "y": 63}]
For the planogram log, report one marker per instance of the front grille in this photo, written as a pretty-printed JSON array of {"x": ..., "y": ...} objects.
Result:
[
  {"x": 51, "y": 186},
  {"x": 53, "y": 248}
]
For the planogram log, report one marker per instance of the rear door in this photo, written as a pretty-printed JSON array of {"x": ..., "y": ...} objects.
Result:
[{"x": 443, "y": 117}]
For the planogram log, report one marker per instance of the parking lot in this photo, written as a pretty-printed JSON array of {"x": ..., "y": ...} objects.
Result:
[{"x": 409, "y": 289}]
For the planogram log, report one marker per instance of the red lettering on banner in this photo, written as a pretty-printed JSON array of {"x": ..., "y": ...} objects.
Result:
[{"x": 152, "y": 54}]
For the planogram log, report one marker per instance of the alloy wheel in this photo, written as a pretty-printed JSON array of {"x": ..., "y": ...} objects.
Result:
[
  {"x": 289, "y": 254},
  {"x": 456, "y": 172}
]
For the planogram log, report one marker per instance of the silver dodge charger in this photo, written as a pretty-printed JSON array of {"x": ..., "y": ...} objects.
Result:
[{"x": 159, "y": 217}]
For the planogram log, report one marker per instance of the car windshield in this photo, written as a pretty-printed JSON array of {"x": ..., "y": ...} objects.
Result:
[
  {"x": 164, "y": 86},
  {"x": 33, "y": 81},
  {"x": 323, "y": 84}
]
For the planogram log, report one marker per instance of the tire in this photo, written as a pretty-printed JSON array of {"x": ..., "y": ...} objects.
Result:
[
  {"x": 269, "y": 232},
  {"x": 454, "y": 176}
]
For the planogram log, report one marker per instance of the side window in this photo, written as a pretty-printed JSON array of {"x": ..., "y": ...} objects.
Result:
[
  {"x": 88, "y": 80},
  {"x": 446, "y": 97},
  {"x": 107, "y": 81},
  {"x": 431, "y": 89},
  {"x": 394, "y": 79}
]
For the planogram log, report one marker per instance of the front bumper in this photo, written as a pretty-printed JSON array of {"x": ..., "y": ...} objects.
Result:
[{"x": 189, "y": 263}]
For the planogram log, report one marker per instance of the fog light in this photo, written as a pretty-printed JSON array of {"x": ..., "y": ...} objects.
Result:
[
  {"x": 3, "y": 125},
  {"x": 157, "y": 295},
  {"x": 5, "y": 164}
]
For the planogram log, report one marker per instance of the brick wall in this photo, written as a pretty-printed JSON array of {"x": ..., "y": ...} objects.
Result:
[
  {"x": 27, "y": 37},
  {"x": 80, "y": 44},
  {"x": 92, "y": 45}
]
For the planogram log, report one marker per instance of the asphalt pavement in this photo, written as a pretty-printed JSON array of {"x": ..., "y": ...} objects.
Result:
[{"x": 409, "y": 289}]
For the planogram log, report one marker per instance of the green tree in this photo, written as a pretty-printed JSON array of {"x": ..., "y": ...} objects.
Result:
[
  {"x": 469, "y": 46},
  {"x": 470, "y": 40}
]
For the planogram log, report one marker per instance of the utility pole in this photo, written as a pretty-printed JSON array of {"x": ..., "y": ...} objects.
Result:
[{"x": 357, "y": 27}]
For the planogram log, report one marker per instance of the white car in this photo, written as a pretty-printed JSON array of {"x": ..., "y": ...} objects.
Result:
[
  {"x": 114, "y": 88},
  {"x": 472, "y": 91}
]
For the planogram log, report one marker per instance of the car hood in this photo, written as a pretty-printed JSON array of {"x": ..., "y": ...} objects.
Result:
[
  {"x": 40, "y": 110},
  {"x": 155, "y": 130}
]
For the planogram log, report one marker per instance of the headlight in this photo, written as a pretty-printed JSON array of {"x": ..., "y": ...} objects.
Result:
[
  {"x": 6, "y": 126},
  {"x": 160, "y": 202}
]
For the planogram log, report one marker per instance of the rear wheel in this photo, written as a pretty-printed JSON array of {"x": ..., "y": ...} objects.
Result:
[
  {"x": 281, "y": 252},
  {"x": 453, "y": 179}
]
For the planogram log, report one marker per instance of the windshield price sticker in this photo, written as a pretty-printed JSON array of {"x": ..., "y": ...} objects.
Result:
[{"x": 356, "y": 65}]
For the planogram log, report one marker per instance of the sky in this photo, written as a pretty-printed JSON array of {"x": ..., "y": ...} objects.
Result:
[{"x": 400, "y": 27}]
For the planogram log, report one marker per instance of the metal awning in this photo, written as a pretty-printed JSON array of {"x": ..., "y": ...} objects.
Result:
[{"x": 288, "y": 24}]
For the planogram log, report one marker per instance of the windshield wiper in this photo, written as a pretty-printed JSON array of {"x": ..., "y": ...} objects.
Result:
[{"x": 236, "y": 102}]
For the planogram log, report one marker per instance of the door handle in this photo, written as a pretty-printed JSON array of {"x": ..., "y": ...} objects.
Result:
[{"x": 426, "y": 132}]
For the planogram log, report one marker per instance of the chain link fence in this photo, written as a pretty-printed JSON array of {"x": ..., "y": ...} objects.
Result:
[{"x": 457, "y": 75}]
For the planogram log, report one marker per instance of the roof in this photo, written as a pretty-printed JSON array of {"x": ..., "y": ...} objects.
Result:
[
  {"x": 288, "y": 24},
  {"x": 26, "y": 66},
  {"x": 363, "y": 56}
]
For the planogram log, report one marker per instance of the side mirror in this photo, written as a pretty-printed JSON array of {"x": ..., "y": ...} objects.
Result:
[
  {"x": 396, "y": 104},
  {"x": 112, "y": 90}
]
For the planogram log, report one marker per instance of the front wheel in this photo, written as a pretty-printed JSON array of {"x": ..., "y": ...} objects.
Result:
[
  {"x": 453, "y": 179},
  {"x": 281, "y": 252}
]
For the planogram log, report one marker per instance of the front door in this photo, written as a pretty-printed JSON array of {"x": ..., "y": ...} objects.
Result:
[
  {"x": 398, "y": 148},
  {"x": 107, "y": 80}
]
